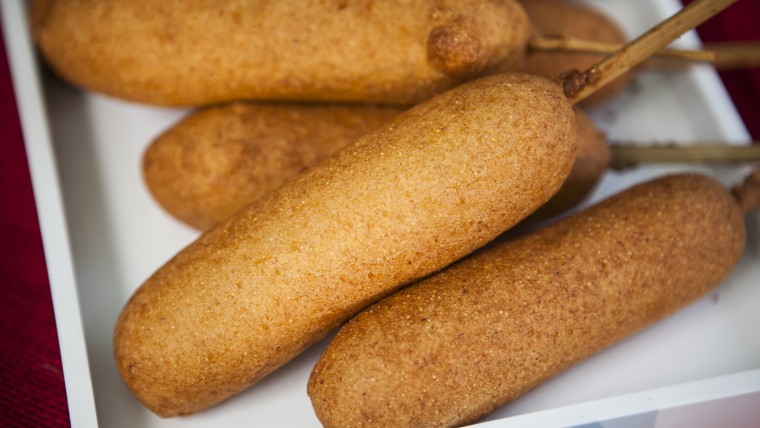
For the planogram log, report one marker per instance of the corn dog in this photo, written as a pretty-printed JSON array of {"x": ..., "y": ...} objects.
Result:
[
  {"x": 256, "y": 290},
  {"x": 457, "y": 345},
  {"x": 218, "y": 160},
  {"x": 193, "y": 52}
]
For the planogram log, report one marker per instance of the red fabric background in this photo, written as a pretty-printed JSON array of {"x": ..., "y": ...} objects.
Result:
[
  {"x": 741, "y": 21},
  {"x": 32, "y": 392}
]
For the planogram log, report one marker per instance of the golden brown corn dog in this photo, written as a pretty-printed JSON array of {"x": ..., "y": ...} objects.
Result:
[
  {"x": 218, "y": 160},
  {"x": 457, "y": 345},
  {"x": 569, "y": 19},
  {"x": 192, "y": 52},
  {"x": 433, "y": 185}
]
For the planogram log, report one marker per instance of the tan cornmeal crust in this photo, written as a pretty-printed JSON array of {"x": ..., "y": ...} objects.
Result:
[
  {"x": 591, "y": 162},
  {"x": 454, "y": 347},
  {"x": 433, "y": 185},
  {"x": 571, "y": 19},
  {"x": 196, "y": 52},
  {"x": 219, "y": 159},
  {"x": 216, "y": 161}
]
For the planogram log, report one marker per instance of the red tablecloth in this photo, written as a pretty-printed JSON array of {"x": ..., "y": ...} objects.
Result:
[
  {"x": 32, "y": 392},
  {"x": 32, "y": 389},
  {"x": 740, "y": 21}
]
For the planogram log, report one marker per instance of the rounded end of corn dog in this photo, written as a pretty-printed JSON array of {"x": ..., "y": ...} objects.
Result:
[{"x": 591, "y": 162}]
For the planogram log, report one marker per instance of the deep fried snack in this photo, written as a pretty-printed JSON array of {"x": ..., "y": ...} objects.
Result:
[
  {"x": 218, "y": 160},
  {"x": 457, "y": 345},
  {"x": 195, "y": 52},
  {"x": 419, "y": 193}
]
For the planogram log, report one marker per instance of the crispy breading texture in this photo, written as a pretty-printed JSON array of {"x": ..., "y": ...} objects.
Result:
[
  {"x": 430, "y": 187},
  {"x": 196, "y": 52},
  {"x": 217, "y": 160},
  {"x": 457, "y": 345}
]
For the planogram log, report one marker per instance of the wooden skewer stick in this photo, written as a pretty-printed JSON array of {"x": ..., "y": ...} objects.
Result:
[
  {"x": 731, "y": 55},
  {"x": 723, "y": 56},
  {"x": 579, "y": 85},
  {"x": 579, "y": 46},
  {"x": 626, "y": 155}
]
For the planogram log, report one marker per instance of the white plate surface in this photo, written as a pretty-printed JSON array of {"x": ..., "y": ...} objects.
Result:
[{"x": 111, "y": 236}]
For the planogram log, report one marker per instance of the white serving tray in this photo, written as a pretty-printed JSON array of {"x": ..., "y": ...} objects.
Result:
[{"x": 104, "y": 235}]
